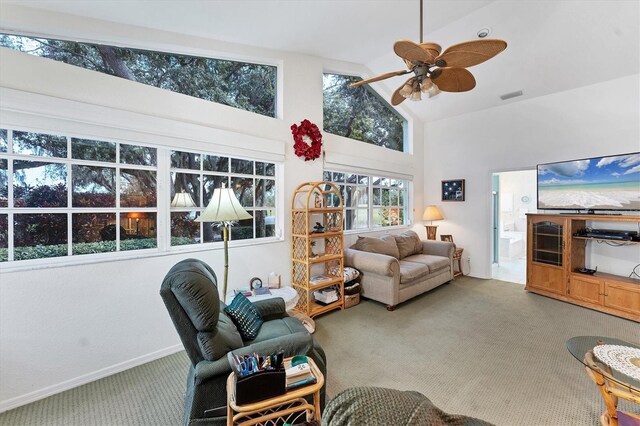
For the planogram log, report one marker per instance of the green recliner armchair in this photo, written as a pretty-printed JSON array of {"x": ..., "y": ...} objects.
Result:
[{"x": 190, "y": 294}]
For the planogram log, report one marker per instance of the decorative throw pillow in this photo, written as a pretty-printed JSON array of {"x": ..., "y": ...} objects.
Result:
[
  {"x": 408, "y": 243},
  {"x": 245, "y": 316},
  {"x": 383, "y": 245}
]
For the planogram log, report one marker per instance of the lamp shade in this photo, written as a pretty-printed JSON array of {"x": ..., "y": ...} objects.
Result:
[
  {"x": 432, "y": 213},
  {"x": 223, "y": 207},
  {"x": 182, "y": 199}
]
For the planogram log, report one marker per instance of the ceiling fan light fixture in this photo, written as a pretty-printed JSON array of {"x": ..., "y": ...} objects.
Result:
[
  {"x": 406, "y": 90},
  {"x": 415, "y": 96},
  {"x": 430, "y": 89}
]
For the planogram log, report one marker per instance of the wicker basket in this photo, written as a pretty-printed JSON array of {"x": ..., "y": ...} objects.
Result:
[{"x": 351, "y": 300}]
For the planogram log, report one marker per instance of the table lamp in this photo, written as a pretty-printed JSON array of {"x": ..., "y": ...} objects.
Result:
[
  {"x": 431, "y": 213},
  {"x": 225, "y": 208}
]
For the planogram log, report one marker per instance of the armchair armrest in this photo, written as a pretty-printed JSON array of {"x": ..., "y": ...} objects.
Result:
[
  {"x": 207, "y": 369},
  {"x": 271, "y": 308},
  {"x": 380, "y": 264},
  {"x": 439, "y": 248},
  {"x": 292, "y": 344}
]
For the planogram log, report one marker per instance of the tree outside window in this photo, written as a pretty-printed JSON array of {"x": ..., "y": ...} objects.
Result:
[
  {"x": 44, "y": 206},
  {"x": 360, "y": 113},
  {"x": 371, "y": 201},
  {"x": 247, "y": 86}
]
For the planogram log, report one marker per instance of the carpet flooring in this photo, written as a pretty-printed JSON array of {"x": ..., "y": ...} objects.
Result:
[{"x": 484, "y": 348}]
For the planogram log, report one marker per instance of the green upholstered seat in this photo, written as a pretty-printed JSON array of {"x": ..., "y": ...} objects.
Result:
[{"x": 190, "y": 294}]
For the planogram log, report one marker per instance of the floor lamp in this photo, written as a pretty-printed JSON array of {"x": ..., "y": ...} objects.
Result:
[
  {"x": 431, "y": 213},
  {"x": 225, "y": 208}
]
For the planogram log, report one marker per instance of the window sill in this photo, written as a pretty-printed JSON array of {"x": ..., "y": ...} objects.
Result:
[{"x": 63, "y": 262}]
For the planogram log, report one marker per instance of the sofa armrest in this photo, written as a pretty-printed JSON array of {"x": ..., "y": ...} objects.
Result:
[
  {"x": 376, "y": 263},
  {"x": 439, "y": 248}
]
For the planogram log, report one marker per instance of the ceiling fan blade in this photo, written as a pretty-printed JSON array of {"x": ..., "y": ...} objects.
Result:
[
  {"x": 470, "y": 53},
  {"x": 397, "y": 98},
  {"x": 410, "y": 51},
  {"x": 453, "y": 79},
  {"x": 433, "y": 49},
  {"x": 380, "y": 77}
]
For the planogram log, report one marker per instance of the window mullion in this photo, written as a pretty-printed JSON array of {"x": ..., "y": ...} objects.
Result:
[
  {"x": 10, "y": 220},
  {"x": 117, "y": 178},
  {"x": 163, "y": 204}
]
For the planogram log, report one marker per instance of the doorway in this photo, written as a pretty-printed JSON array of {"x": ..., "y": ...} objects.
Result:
[{"x": 513, "y": 196}]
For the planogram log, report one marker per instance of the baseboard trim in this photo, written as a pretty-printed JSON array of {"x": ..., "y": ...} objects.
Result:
[{"x": 27, "y": 398}]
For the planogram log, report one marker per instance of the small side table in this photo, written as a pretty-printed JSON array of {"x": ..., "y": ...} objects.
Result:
[
  {"x": 289, "y": 294},
  {"x": 458, "y": 256},
  {"x": 290, "y": 407}
]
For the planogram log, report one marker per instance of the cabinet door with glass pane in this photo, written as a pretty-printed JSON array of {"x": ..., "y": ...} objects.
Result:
[{"x": 547, "y": 257}]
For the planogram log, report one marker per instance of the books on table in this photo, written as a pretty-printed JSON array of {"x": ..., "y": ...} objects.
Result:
[
  {"x": 262, "y": 291},
  {"x": 298, "y": 376}
]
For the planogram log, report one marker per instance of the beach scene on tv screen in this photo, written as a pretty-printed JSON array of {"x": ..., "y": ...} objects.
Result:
[{"x": 606, "y": 183}]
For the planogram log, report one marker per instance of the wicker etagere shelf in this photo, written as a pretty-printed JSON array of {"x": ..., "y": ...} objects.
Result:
[{"x": 317, "y": 252}]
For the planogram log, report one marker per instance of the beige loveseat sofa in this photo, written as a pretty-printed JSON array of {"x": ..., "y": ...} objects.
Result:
[{"x": 396, "y": 268}]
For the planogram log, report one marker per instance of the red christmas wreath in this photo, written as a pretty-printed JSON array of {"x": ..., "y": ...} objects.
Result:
[{"x": 311, "y": 131}]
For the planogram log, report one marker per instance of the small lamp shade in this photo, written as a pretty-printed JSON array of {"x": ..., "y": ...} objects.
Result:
[
  {"x": 432, "y": 213},
  {"x": 182, "y": 199},
  {"x": 223, "y": 207}
]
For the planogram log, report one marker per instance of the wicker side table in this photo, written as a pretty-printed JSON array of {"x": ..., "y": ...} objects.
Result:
[
  {"x": 290, "y": 407},
  {"x": 458, "y": 256}
]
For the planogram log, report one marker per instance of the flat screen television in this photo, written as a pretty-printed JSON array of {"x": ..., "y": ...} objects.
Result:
[{"x": 609, "y": 183}]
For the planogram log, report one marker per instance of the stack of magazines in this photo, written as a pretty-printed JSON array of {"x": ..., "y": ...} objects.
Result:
[{"x": 326, "y": 295}]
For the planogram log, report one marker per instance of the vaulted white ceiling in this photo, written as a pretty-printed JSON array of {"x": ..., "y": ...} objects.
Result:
[{"x": 552, "y": 45}]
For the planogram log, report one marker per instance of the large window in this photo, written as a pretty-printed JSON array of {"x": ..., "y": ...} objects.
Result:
[
  {"x": 360, "y": 113},
  {"x": 64, "y": 196},
  {"x": 247, "y": 86},
  {"x": 68, "y": 196},
  {"x": 194, "y": 176},
  {"x": 371, "y": 201}
]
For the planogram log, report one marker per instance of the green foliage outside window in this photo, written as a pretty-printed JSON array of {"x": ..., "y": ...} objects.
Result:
[
  {"x": 360, "y": 113},
  {"x": 251, "y": 87}
]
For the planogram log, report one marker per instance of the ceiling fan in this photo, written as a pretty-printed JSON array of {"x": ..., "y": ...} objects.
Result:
[{"x": 435, "y": 71}]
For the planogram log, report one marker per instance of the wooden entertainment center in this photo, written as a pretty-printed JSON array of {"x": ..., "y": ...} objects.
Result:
[{"x": 554, "y": 255}]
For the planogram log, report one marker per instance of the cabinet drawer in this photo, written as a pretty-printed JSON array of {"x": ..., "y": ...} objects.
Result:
[
  {"x": 547, "y": 278},
  {"x": 623, "y": 297},
  {"x": 586, "y": 289}
]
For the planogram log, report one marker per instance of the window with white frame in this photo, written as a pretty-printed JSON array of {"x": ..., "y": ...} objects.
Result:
[
  {"x": 195, "y": 175},
  {"x": 62, "y": 196},
  {"x": 371, "y": 201},
  {"x": 248, "y": 86},
  {"x": 66, "y": 196}
]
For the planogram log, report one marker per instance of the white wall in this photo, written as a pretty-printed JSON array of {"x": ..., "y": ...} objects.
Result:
[
  {"x": 600, "y": 119},
  {"x": 66, "y": 325}
]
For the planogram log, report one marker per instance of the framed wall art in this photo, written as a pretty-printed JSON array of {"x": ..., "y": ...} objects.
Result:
[{"x": 453, "y": 190}]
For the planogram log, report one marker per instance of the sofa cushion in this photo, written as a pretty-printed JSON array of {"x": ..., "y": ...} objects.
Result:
[
  {"x": 408, "y": 243},
  {"x": 383, "y": 245},
  {"x": 434, "y": 263},
  {"x": 410, "y": 271}
]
